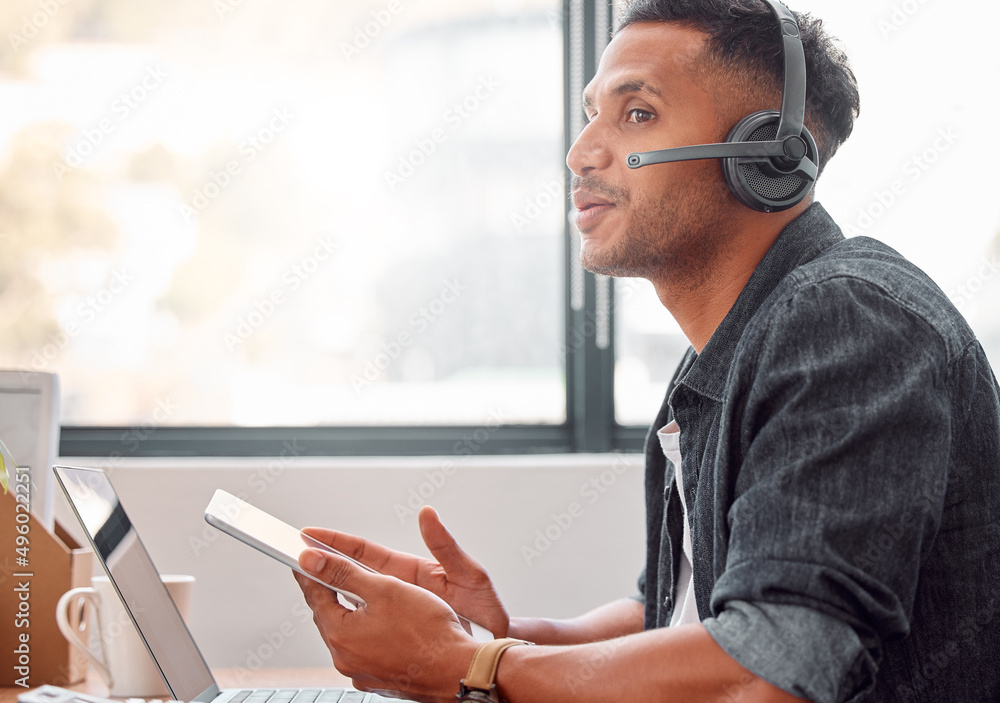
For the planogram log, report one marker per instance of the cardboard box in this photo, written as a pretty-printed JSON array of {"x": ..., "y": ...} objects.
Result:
[{"x": 53, "y": 564}]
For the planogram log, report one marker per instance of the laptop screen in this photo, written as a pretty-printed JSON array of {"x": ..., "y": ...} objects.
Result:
[{"x": 137, "y": 581}]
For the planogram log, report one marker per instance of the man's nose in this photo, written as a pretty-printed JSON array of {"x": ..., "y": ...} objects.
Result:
[{"x": 589, "y": 152}]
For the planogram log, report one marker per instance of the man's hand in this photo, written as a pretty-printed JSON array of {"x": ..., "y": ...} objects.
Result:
[
  {"x": 404, "y": 639},
  {"x": 407, "y": 641},
  {"x": 455, "y": 577}
]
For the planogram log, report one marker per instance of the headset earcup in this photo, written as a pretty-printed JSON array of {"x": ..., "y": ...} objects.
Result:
[{"x": 755, "y": 187}]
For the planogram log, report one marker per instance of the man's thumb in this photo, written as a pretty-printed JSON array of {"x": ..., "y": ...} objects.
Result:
[
  {"x": 339, "y": 574},
  {"x": 440, "y": 542},
  {"x": 313, "y": 561}
]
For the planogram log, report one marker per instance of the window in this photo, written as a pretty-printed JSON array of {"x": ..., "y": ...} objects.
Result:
[
  {"x": 234, "y": 224},
  {"x": 229, "y": 214}
]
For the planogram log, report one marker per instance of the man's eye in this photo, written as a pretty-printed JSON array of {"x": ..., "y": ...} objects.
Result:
[{"x": 638, "y": 115}]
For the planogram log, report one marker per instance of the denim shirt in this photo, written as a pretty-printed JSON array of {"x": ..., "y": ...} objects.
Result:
[{"x": 840, "y": 436}]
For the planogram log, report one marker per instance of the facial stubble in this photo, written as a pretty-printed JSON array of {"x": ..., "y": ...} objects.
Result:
[{"x": 675, "y": 235}]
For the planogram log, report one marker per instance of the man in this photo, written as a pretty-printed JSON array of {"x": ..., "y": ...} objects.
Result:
[{"x": 829, "y": 527}]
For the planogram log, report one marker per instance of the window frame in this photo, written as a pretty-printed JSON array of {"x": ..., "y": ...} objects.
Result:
[{"x": 590, "y": 424}]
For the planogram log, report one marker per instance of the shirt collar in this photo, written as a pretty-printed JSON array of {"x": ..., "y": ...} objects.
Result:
[{"x": 802, "y": 240}]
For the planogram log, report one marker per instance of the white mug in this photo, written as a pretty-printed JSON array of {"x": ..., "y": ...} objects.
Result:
[{"x": 124, "y": 662}]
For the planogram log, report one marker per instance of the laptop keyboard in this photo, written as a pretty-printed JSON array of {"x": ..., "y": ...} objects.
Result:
[
  {"x": 53, "y": 694},
  {"x": 305, "y": 695}
]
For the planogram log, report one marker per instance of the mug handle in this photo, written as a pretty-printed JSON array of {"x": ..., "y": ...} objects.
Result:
[{"x": 74, "y": 622}]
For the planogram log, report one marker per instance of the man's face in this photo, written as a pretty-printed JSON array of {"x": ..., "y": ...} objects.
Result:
[{"x": 663, "y": 220}]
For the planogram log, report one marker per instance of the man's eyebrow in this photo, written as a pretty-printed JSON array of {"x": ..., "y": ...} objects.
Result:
[{"x": 635, "y": 86}]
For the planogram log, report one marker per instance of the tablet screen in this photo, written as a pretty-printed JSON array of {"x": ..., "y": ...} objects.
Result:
[{"x": 265, "y": 528}]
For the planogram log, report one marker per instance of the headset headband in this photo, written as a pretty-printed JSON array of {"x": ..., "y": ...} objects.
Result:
[{"x": 793, "y": 97}]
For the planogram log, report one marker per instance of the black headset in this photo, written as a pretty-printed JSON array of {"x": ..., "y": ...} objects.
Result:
[{"x": 769, "y": 158}]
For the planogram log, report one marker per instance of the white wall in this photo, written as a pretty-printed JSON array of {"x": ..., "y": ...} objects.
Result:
[{"x": 248, "y": 610}]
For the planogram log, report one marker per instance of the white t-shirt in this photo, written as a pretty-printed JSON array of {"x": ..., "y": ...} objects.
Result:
[{"x": 685, "y": 608}]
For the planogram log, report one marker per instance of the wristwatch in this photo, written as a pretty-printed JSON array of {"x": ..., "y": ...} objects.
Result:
[{"x": 479, "y": 685}]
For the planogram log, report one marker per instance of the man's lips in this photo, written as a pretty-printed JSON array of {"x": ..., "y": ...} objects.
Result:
[
  {"x": 589, "y": 208},
  {"x": 584, "y": 200}
]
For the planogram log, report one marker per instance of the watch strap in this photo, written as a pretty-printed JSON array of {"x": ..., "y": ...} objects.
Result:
[{"x": 483, "y": 670}]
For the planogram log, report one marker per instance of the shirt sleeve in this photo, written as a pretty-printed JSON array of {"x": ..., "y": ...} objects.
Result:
[{"x": 844, "y": 440}]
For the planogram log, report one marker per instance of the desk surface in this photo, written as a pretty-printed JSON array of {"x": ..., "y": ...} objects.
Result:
[{"x": 226, "y": 678}]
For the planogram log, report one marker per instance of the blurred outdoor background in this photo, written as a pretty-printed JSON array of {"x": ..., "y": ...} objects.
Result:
[{"x": 316, "y": 213}]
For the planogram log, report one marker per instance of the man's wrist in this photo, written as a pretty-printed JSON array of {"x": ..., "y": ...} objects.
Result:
[
  {"x": 479, "y": 684},
  {"x": 537, "y": 630},
  {"x": 515, "y": 628}
]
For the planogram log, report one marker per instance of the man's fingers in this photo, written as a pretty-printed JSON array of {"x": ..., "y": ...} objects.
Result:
[
  {"x": 353, "y": 546},
  {"x": 382, "y": 559}
]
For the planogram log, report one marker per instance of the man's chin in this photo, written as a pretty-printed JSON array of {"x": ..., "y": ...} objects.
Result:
[
  {"x": 590, "y": 259},
  {"x": 606, "y": 265},
  {"x": 613, "y": 254}
]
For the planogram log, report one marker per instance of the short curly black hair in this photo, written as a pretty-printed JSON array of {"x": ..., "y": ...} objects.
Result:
[{"x": 744, "y": 48}]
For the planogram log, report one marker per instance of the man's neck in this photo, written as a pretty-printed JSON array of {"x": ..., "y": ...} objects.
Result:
[{"x": 700, "y": 309}]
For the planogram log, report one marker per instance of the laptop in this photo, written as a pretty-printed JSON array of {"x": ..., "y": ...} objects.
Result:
[{"x": 148, "y": 604}]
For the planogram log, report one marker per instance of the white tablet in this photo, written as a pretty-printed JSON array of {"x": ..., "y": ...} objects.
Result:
[{"x": 283, "y": 542}]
